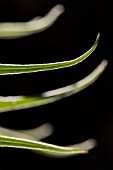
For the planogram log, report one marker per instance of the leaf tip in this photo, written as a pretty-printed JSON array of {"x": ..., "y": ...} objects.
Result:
[
  {"x": 98, "y": 37},
  {"x": 59, "y": 9},
  {"x": 103, "y": 65}
]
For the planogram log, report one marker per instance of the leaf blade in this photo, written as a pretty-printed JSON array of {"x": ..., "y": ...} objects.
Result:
[
  {"x": 38, "y": 133},
  {"x": 40, "y": 147},
  {"x": 8, "y": 69},
  {"x": 36, "y": 25},
  {"x": 23, "y": 102}
]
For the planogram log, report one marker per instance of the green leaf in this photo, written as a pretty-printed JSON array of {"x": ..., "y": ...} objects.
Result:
[
  {"x": 38, "y": 24},
  {"x": 6, "y": 69},
  {"x": 40, "y": 147},
  {"x": 22, "y": 102},
  {"x": 14, "y": 135}
]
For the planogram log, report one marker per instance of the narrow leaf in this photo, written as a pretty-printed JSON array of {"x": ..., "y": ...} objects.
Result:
[
  {"x": 22, "y": 102},
  {"x": 40, "y": 147},
  {"x": 4, "y": 132},
  {"x": 38, "y": 133},
  {"x": 38, "y": 24},
  {"x": 87, "y": 145},
  {"x": 6, "y": 69}
]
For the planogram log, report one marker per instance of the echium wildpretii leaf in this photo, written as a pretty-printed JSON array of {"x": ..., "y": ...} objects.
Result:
[
  {"x": 38, "y": 24},
  {"x": 21, "y": 102},
  {"x": 6, "y": 69}
]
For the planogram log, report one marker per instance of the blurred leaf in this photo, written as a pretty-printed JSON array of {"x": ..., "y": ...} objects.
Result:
[
  {"x": 38, "y": 133},
  {"x": 40, "y": 147},
  {"x": 22, "y": 102},
  {"x": 38, "y": 24}
]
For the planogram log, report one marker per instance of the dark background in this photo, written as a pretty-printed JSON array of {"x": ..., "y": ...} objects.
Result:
[{"x": 89, "y": 113}]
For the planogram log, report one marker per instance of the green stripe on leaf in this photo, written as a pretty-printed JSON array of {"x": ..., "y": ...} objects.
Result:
[
  {"x": 6, "y": 69},
  {"x": 22, "y": 102}
]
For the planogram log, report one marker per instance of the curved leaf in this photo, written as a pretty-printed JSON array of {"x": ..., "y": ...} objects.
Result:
[
  {"x": 6, "y": 69},
  {"x": 22, "y": 102},
  {"x": 40, "y": 147},
  {"x": 38, "y": 133},
  {"x": 38, "y": 24}
]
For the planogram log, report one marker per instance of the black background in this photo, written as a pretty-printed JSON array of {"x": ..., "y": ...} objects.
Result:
[{"x": 88, "y": 114}]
